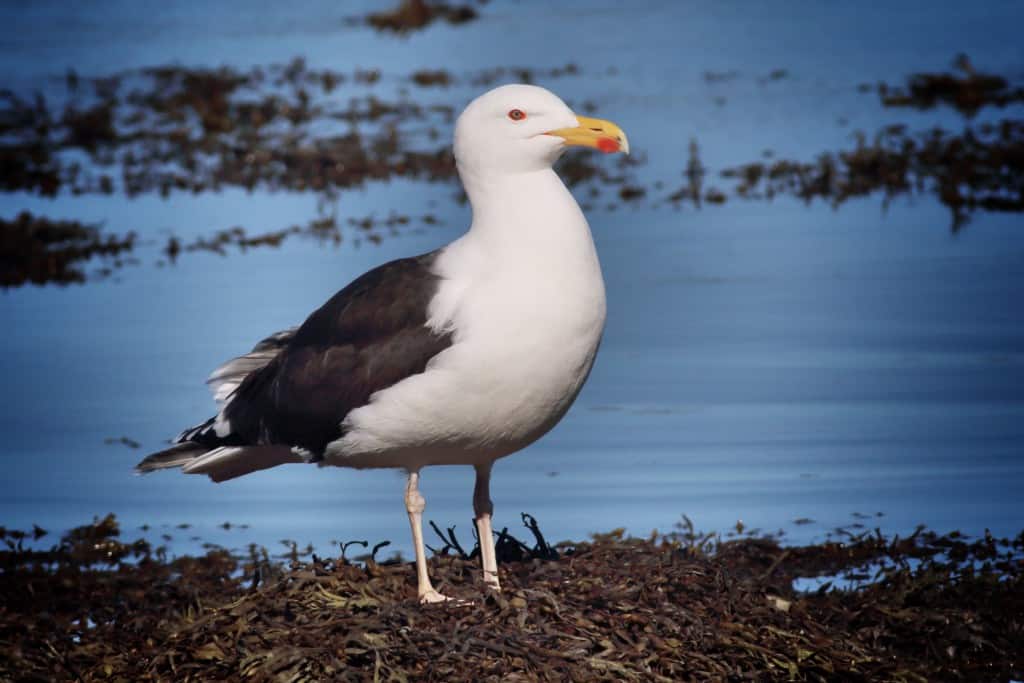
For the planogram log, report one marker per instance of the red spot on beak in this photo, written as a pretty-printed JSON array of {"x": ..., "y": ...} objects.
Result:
[{"x": 607, "y": 145}]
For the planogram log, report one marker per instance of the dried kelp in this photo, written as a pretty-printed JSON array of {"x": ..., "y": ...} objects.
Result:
[
  {"x": 39, "y": 250},
  {"x": 686, "y": 606},
  {"x": 411, "y": 15},
  {"x": 979, "y": 168},
  {"x": 291, "y": 127},
  {"x": 326, "y": 230},
  {"x": 172, "y": 129},
  {"x": 966, "y": 90},
  {"x": 176, "y": 129}
]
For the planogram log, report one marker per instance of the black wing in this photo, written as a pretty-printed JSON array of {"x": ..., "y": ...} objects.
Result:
[{"x": 367, "y": 337}]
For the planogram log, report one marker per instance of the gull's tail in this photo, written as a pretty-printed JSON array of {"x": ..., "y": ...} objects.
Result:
[
  {"x": 176, "y": 456},
  {"x": 200, "y": 451}
]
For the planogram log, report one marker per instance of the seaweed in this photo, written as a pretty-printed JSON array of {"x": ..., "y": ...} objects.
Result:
[
  {"x": 170, "y": 129},
  {"x": 980, "y": 168},
  {"x": 411, "y": 15},
  {"x": 38, "y": 250},
  {"x": 680, "y": 606},
  {"x": 967, "y": 92}
]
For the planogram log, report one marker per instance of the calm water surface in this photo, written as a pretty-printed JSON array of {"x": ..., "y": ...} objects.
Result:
[{"x": 762, "y": 361}]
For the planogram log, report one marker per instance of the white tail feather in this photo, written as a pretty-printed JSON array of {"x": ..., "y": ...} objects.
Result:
[{"x": 228, "y": 376}]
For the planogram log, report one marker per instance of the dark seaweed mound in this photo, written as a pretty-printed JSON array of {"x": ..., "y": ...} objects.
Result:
[{"x": 676, "y": 607}]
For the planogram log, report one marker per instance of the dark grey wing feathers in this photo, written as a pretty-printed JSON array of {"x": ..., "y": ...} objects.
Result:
[{"x": 367, "y": 337}]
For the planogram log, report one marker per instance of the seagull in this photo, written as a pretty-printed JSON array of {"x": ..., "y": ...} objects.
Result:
[{"x": 460, "y": 356}]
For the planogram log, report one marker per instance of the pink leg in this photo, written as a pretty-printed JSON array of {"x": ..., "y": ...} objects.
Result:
[
  {"x": 414, "y": 505},
  {"x": 483, "y": 509}
]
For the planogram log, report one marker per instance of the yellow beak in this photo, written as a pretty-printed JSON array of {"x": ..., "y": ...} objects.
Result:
[{"x": 596, "y": 133}]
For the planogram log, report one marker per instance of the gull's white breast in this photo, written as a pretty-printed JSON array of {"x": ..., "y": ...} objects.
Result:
[{"x": 523, "y": 295}]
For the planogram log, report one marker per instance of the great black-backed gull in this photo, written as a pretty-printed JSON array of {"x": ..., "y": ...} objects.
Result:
[{"x": 456, "y": 357}]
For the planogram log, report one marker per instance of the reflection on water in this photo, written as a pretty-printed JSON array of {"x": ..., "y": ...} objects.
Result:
[
  {"x": 173, "y": 129},
  {"x": 764, "y": 361}
]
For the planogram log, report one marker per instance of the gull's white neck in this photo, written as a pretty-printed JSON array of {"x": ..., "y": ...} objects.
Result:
[
  {"x": 530, "y": 217},
  {"x": 527, "y": 259}
]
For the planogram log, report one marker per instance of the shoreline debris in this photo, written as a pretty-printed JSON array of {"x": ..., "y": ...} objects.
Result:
[{"x": 682, "y": 606}]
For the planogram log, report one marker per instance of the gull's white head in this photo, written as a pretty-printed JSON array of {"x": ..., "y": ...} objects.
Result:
[{"x": 522, "y": 128}]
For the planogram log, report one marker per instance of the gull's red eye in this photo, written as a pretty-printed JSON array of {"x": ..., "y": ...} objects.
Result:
[{"x": 517, "y": 114}]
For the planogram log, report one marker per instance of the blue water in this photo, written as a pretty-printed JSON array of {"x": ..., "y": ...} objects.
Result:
[{"x": 763, "y": 361}]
